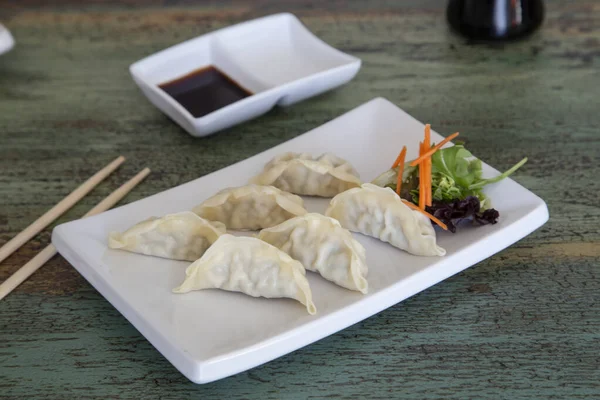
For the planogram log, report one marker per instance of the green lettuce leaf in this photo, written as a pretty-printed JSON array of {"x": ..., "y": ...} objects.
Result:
[
  {"x": 455, "y": 175},
  {"x": 457, "y": 163}
]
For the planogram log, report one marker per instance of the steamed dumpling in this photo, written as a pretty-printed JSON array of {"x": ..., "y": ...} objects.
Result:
[
  {"x": 181, "y": 236},
  {"x": 380, "y": 213},
  {"x": 325, "y": 176},
  {"x": 251, "y": 207},
  {"x": 322, "y": 246},
  {"x": 250, "y": 266}
]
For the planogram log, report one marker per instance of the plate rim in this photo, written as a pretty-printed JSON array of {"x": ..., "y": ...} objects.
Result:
[{"x": 244, "y": 358}]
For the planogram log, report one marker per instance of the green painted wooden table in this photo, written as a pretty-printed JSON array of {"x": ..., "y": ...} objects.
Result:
[{"x": 523, "y": 324}]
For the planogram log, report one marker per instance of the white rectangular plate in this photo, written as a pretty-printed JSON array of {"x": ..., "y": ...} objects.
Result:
[{"x": 213, "y": 334}]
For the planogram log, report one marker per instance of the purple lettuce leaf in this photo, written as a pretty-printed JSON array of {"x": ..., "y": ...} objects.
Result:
[{"x": 455, "y": 212}]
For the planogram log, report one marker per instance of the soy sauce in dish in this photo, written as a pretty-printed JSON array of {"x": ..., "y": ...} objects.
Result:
[{"x": 204, "y": 90}]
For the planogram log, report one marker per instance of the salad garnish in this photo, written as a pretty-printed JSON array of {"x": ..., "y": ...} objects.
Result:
[{"x": 444, "y": 184}]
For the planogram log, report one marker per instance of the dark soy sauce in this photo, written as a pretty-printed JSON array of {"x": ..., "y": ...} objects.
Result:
[
  {"x": 495, "y": 20},
  {"x": 205, "y": 90}
]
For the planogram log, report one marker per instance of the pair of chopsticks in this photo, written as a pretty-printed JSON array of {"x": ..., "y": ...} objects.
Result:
[{"x": 38, "y": 225}]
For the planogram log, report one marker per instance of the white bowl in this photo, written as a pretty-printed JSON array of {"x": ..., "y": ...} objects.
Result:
[
  {"x": 6, "y": 40},
  {"x": 276, "y": 57}
]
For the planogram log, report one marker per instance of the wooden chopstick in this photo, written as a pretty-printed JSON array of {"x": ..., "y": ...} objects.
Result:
[
  {"x": 41, "y": 258},
  {"x": 56, "y": 211}
]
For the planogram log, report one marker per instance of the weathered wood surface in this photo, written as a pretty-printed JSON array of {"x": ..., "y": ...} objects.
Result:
[{"x": 522, "y": 324}]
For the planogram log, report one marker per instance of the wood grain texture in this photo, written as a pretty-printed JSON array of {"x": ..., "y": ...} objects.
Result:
[{"x": 524, "y": 324}]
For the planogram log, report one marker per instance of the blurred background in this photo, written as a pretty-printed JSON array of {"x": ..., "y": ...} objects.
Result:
[
  {"x": 523, "y": 323},
  {"x": 66, "y": 93}
]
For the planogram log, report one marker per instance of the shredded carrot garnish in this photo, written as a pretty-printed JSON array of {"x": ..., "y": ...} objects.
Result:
[
  {"x": 401, "y": 156},
  {"x": 431, "y": 217},
  {"x": 426, "y": 147},
  {"x": 400, "y": 166},
  {"x": 427, "y": 180},
  {"x": 425, "y": 166},
  {"x": 422, "y": 180},
  {"x": 429, "y": 183},
  {"x": 430, "y": 152}
]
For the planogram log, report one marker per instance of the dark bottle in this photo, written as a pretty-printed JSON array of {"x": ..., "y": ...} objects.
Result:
[{"x": 493, "y": 20}]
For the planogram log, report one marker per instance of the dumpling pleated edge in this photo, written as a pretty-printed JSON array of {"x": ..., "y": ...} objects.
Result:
[
  {"x": 358, "y": 258},
  {"x": 287, "y": 201},
  {"x": 117, "y": 240},
  {"x": 298, "y": 271},
  {"x": 391, "y": 195},
  {"x": 268, "y": 177}
]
